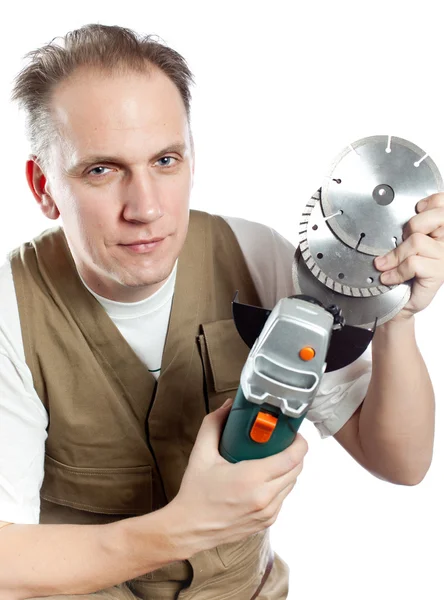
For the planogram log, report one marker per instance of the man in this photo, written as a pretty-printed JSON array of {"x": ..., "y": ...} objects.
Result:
[{"x": 116, "y": 341}]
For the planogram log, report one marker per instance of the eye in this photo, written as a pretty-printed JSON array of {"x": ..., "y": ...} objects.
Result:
[
  {"x": 167, "y": 161},
  {"x": 98, "y": 170}
]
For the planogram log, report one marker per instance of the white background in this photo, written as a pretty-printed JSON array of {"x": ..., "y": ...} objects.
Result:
[{"x": 281, "y": 88}]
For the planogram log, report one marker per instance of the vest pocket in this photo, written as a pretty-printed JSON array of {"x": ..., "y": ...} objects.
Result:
[
  {"x": 223, "y": 354},
  {"x": 234, "y": 551},
  {"x": 109, "y": 491}
]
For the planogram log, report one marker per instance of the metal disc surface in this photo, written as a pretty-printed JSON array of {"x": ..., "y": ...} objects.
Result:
[
  {"x": 372, "y": 190},
  {"x": 357, "y": 311},
  {"x": 336, "y": 265}
]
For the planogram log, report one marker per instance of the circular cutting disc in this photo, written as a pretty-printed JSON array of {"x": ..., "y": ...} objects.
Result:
[
  {"x": 357, "y": 311},
  {"x": 372, "y": 189},
  {"x": 336, "y": 265}
]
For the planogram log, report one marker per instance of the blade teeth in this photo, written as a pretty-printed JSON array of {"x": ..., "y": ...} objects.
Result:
[
  {"x": 316, "y": 270},
  {"x": 305, "y": 224},
  {"x": 310, "y": 262},
  {"x": 322, "y": 277}
]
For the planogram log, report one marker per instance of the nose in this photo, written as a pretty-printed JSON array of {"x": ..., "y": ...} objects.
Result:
[{"x": 142, "y": 201}]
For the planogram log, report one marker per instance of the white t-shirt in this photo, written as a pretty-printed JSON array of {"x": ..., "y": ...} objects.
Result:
[{"x": 24, "y": 420}]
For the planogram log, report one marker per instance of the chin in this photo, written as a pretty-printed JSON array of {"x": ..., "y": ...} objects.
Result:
[{"x": 139, "y": 280}]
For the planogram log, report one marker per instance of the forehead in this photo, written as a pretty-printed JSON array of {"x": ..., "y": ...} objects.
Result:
[{"x": 118, "y": 113}]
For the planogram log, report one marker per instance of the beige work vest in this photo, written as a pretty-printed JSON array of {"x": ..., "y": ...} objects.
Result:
[{"x": 118, "y": 441}]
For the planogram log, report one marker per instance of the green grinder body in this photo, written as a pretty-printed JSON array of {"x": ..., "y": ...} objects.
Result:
[{"x": 236, "y": 443}]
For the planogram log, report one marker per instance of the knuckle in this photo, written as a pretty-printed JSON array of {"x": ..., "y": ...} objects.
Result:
[
  {"x": 298, "y": 450},
  {"x": 412, "y": 262},
  {"x": 260, "y": 502},
  {"x": 268, "y": 514},
  {"x": 272, "y": 520},
  {"x": 303, "y": 444},
  {"x": 416, "y": 241},
  {"x": 436, "y": 200},
  {"x": 298, "y": 470}
]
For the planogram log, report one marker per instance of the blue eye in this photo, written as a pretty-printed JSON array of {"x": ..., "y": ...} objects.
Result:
[
  {"x": 98, "y": 170},
  {"x": 166, "y": 161}
]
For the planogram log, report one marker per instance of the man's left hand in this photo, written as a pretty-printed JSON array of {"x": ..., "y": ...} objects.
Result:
[{"x": 419, "y": 256}]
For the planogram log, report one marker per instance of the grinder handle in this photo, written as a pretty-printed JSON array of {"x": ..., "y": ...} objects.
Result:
[{"x": 272, "y": 430}]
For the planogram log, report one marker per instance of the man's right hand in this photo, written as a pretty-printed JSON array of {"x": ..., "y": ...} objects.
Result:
[
  {"x": 221, "y": 502},
  {"x": 217, "y": 502}
]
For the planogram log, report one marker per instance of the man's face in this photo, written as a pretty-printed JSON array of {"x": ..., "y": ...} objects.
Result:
[{"x": 121, "y": 178}]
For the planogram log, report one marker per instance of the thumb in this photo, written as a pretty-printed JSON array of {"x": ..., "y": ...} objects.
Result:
[
  {"x": 228, "y": 403},
  {"x": 212, "y": 426}
]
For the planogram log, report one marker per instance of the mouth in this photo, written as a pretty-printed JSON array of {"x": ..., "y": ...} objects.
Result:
[{"x": 143, "y": 246}]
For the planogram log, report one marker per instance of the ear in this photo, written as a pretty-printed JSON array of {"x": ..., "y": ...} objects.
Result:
[
  {"x": 38, "y": 185},
  {"x": 193, "y": 155}
]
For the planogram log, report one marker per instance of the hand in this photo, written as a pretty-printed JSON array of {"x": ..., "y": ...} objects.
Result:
[
  {"x": 222, "y": 502},
  {"x": 419, "y": 256}
]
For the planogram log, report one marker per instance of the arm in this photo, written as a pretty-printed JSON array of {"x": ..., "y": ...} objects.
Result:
[
  {"x": 392, "y": 433},
  {"x": 42, "y": 560},
  {"x": 234, "y": 501}
]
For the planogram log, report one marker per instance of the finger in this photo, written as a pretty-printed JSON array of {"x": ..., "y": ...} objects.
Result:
[
  {"x": 432, "y": 201},
  {"x": 414, "y": 266},
  {"x": 212, "y": 426},
  {"x": 277, "y": 502},
  {"x": 272, "y": 511},
  {"x": 266, "y": 493},
  {"x": 278, "y": 465},
  {"x": 426, "y": 222},
  {"x": 269, "y": 515},
  {"x": 438, "y": 234},
  {"x": 281, "y": 483},
  {"x": 270, "y": 495},
  {"x": 417, "y": 244}
]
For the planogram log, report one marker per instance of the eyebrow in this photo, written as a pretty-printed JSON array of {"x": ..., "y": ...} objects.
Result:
[{"x": 178, "y": 148}]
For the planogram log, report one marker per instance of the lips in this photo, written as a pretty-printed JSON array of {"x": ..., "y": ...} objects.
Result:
[
  {"x": 144, "y": 246},
  {"x": 140, "y": 242}
]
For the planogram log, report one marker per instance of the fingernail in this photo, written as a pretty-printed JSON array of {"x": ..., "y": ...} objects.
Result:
[
  {"x": 227, "y": 402},
  {"x": 421, "y": 205},
  {"x": 386, "y": 277}
]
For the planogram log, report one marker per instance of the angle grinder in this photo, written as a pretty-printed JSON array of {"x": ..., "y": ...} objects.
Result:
[{"x": 367, "y": 197}]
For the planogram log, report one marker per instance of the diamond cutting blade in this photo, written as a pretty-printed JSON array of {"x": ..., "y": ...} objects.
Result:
[
  {"x": 357, "y": 311},
  {"x": 336, "y": 265},
  {"x": 372, "y": 189}
]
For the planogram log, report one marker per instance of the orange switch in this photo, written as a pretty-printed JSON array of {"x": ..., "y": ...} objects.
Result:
[
  {"x": 307, "y": 353},
  {"x": 263, "y": 427}
]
